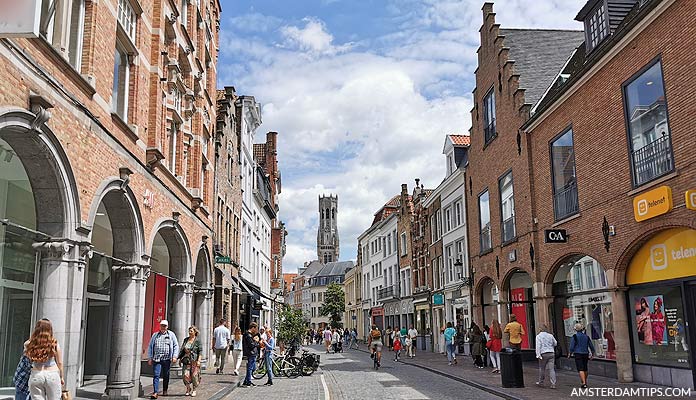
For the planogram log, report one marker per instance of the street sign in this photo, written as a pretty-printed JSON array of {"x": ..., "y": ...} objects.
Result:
[
  {"x": 354, "y": 317},
  {"x": 555, "y": 236},
  {"x": 20, "y": 18},
  {"x": 438, "y": 299},
  {"x": 223, "y": 260}
]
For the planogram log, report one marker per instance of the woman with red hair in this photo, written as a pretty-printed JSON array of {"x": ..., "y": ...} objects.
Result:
[{"x": 46, "y": 380}]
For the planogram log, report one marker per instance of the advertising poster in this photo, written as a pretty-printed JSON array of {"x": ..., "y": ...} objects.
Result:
[
  {"x": 568, "y": 322},
  {"x": 651, "y": 322},
  {"x": 520, "y": 311}
]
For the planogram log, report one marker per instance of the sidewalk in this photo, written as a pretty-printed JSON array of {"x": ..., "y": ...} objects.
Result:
[
  {"x": 465, "y": 372},
  {"x": 212, "y": 386}
]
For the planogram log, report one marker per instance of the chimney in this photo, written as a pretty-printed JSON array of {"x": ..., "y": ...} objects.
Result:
[{"x": 404, "y": 190}]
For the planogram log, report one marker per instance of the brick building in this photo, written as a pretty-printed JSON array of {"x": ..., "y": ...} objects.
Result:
[
  {"x": 227, "y": 209},
  {"x": 515, "y": 66},
  {"x": 436, "y": 295},
  {"x": 404, "y": 226},
  {"x": 422, "y": 276},
  {"x": 106, "y": 120},
  {"x": 613, "y": 167}
]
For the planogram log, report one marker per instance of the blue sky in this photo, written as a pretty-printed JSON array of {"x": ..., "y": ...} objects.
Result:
[{"x": 362, "y": 93}]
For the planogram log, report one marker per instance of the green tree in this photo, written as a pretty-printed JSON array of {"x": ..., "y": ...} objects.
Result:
[
  {"x": 291, "y": 324},
  {"x": 334, "y": 304}
]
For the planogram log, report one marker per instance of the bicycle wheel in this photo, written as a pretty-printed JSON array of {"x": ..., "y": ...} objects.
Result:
[
  {"x": 292, "y": 367},
  {"x": 276, "y": 366},
  {"x": 306, "y": 366},
  {"x": 260, "y": 370}
]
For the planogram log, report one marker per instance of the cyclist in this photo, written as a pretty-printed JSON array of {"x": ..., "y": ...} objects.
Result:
[{"x": 375, "y": 343}]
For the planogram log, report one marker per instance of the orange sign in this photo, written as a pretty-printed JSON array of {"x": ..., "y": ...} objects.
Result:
[
  {"x": 652, "y": 203},
  {"x": 690, "y": 196},
  {"x": 669, "y": 254}
]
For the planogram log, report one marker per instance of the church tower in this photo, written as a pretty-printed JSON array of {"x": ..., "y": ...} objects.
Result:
[{"x": 327, "y": 233}]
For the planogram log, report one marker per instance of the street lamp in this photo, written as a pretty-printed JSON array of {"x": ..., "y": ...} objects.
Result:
[{"x": 467, "y": 280}]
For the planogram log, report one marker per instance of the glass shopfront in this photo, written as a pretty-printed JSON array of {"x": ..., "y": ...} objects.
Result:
[
  {"x": 17, "y": 260},
  {"x": 580, "y": 296},
  {"x": 522, "y": 305},
  {"x": 662, "y": 280},
  {"x": 489, "y": 301}
]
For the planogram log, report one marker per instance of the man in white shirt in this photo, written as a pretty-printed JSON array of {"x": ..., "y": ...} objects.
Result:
[
  {"x": 413, "y": 334},
  {"x": 545, "y": 353},
  {"x": 221, "y": 342}
]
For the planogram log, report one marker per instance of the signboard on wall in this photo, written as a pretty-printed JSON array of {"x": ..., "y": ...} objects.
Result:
[
  {"x": 20, "y": 18},
  {"x": 520, "y": 311},
  {"x": 652, "y": 203},
  {"x": 438, "y": 299}
]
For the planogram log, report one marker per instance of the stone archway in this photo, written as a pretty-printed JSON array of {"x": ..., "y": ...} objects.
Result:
[
  {"x": 115, "y": 289},
  {"x": 517, "y": 291},
  {"x": 203, "y": 299},
  {"x": 39, "y": 210}
]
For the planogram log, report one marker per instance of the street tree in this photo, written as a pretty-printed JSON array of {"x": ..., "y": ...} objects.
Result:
[
  {"x": 334, "y": 304},
  {"x": 291, "y": 324}
]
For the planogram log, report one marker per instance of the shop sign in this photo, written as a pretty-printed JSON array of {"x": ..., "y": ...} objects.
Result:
[
  {"x": 668, "y": 255},
  {"x": 555, "y": 236},
  {"x": 462, "y": 301},
  {"x": 652, "y": 203},
  {"x": 690, "y": 199},
  {"x": 223, "y": 260},
  {"x": 438, "y": 299},
  {"x": 20, "y": 18},
  {"x": 353, "y": 317}
]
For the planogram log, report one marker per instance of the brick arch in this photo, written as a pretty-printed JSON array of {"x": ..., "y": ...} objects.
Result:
[
  {"x": 649, "y": 230},
  {"x": 575, "y": 251},
  {"x": 505, "y": 281},
  {"x": 478, "y": 289}
]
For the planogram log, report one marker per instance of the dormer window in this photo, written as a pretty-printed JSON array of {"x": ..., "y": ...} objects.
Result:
[
  {"x": 450, "y": 163},
  {"x": 596, "y": 26}
]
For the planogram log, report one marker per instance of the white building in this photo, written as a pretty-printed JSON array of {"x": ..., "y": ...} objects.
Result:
[
  {"x": 262, "y": 216},
  {"x": 380, "y": 264}
]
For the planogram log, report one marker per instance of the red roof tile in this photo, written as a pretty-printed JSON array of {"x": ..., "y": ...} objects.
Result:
[{"x": 460, "y": 140}]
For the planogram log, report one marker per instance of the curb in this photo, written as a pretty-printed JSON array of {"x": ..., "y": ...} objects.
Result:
[{"x": 475, "y": 384}]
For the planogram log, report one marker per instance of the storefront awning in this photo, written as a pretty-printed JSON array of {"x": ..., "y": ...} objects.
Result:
[
  {"x": 245, "y": 288},
  {"x": 257, "y": 291},
  {"x": 229, "y": 278}
]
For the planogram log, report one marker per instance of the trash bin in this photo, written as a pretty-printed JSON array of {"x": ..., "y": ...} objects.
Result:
[{"x": 511, "y": 368}]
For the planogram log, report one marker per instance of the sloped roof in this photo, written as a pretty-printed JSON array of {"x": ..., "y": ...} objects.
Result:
[
  {"x": 387, "y": 209},
  {"x": 539, "y": 55},
  {"x": 313, "y": 268},
  {"x": 460, "y": 140},
  {"x": 335, "y": 268}
]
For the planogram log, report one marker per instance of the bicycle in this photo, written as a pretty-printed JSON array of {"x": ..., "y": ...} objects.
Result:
[{"x": 282, "y": 364}]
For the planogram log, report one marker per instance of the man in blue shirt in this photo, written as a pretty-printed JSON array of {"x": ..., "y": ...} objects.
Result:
[
  {"x": 449, "y": 334},
  {"x": 582, "y": 348},
  {"x": 162, "y": 353}
]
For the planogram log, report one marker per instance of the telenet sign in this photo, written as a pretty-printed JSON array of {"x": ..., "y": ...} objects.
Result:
[
  {"x": 652, "y": 203},
  {"x": 690, "y": 199}
]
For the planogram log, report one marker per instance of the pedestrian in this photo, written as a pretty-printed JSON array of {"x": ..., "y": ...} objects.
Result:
[
  {"x": 449, "y": 335},
  {"x": 582, "y": 348},
  {"x": 327, "y": 338},
  {"x": 403, "y": 333},
  {"x": 221, "y": 344},
  {"x": 478, "y": 345},
  {"x": 190, "y": 360},
  {"x": 546, "y": 354},
  {"x": 250, "y": 348},
  {"x": 353, "y": 338},
  {"x": 515, "y": 330},
  {"x": 21, "y": 378},
  {"x": 237, "y": 350},
  {"x": 495, "y": 344},
  {"x": 269, "y": 345},
  {"x": 346, "y": 337},
  {"x": 262, "y": 338},
  {"x": 397, "y": 348},
  {"x": 487, "y": 337},
  {"x": 388, "y": 334},
  {"x": 335, "y": 340},
  {"x": 42, "y": 349},
  {"x": 413, "y": 335},
  {"x": 162, "y": 352}
]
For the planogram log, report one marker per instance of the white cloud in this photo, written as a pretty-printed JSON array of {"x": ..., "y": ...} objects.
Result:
[{"x": 358, "y": 120}]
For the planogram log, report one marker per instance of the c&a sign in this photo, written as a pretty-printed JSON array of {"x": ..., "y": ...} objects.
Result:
[{"x": 652, "y": 203}]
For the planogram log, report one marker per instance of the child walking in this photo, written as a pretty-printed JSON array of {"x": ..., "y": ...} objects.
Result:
[{"x": 396, "y": 346}]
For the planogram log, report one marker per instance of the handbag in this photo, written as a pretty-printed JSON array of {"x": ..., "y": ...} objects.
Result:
[
  {"x": 65, "y": 395},
  {"x": 489, "y": 344}
]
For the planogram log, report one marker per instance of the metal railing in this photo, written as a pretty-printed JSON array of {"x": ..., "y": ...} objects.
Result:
[
  {"x": 652, "y": 160},
  {"x": 389, "y": 291},
  {"x": 508, "y": 226},
  {"x": 565, "y": 202},
  {"x": 485, "y": 238},
  {"x": 489, "y": 131}
]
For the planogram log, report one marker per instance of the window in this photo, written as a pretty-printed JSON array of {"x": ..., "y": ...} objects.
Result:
[
  {"x": 433, "y": 228},
  {"x": 448, "y": 219},
  {"x": 565, "y": 189},
  {"x": 439, "y": 224},
  {"x": 596, "y": 27},
  {"x": 119, "y": 94},
  {"x": 489, "y": 116},
  {"x": 458, "y": 213},
  {"x": 404, "y": 248},
  {"x": 184, "y": 12},
  {"x": 450, "y": 263},
  {"x": 127, "y": 18},
  {"x": 172, "y": 143},
  {"x": 72, "y": 16},
  {"x": 648, "y": 125},
  {"x": 389, "y": 244},
  {"x": 484, "y": 222},
  {"x": 507, "y": 206},
  {"x": 176, "y": 98},
  {"x": 450, "y": 163}
]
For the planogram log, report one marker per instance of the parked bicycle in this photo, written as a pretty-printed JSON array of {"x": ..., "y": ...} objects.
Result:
[{"x": 282, "y": 364}]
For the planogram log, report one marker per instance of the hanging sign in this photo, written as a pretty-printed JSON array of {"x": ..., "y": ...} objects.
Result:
[
  {"x": 555, "y": 236},
  {"x": 21, "y": 18}
]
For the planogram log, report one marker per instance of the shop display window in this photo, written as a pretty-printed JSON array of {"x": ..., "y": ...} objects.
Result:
[
  {"x": 580, "y": 297},
  {"x": 522, "y": 305},
  {"x": 658, "y": 326}
]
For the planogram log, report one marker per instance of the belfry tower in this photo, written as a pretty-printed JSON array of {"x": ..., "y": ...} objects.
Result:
[{"x": 327, "y": 233}]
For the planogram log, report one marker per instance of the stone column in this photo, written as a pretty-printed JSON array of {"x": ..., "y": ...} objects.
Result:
[
  {"x": 504, "y": 312},
  {"x": 622, "y": 332},
  {"x": 60, "y": 286},
  {"x": 542, "y": 300},
  {"x": 204, "y": 309},
  {"x": 128, "y": 302}
]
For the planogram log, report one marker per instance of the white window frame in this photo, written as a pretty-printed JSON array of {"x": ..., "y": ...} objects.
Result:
[
  {"x": 404, "y": 247},
  {"x": 127, "y": 18},
  {"x": 120, "y": 96}
]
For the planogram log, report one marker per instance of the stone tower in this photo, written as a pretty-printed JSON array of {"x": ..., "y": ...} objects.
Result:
[{"x": 327, "y": 233}]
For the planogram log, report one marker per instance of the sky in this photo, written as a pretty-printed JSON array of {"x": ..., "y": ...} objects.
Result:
[{"x": 362, "y": 94}]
